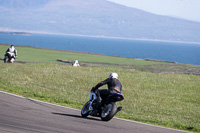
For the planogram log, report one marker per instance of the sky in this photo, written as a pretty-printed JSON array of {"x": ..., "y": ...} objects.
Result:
[{"x": 185, "y": 9}]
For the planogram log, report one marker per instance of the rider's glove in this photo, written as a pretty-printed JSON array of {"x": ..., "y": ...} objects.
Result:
[{"x": 93, "y": 89}]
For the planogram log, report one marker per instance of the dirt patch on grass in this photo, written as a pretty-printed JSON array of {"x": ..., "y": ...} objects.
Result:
[{"x": 170, "y": 68}]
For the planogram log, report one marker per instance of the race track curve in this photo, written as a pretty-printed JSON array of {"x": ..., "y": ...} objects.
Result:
[{"x": 23, "y": 115}]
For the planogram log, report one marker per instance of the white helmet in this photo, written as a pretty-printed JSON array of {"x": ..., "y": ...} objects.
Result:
[
  {"x": 113, "y": 75},
  {"x": 12, "y": 49},
  {"x": 76, "y": 61}
]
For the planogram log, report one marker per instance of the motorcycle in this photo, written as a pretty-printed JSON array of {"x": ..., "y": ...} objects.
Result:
[
  {"x": 9, "y": 57},
  {"x": 108, "y": 108}
]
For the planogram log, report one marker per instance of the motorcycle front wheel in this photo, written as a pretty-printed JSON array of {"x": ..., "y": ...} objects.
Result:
[
  {"x": 6, "y": 59},
  {"x": 109, "y": 111},
  {"x": 85, "y": 110}
]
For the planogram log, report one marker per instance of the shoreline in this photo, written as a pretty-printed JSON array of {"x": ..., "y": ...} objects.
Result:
[
  {"x": 96, "y": 36},
  {"x": 124, "y": 38},
  {"x": 16, "y": 33}
]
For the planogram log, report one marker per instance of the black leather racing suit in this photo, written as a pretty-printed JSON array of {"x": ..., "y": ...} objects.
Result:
[{"x": 114, "y": 86}]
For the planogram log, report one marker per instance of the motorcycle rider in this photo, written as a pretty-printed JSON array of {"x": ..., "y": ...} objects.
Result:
[
  {"x": 114, "y": 86},
  {"x": 12, "y": 50},
  {"x": 76, "y": 64}
]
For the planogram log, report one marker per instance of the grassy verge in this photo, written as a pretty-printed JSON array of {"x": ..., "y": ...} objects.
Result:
[
  {"x": 169, "y": 100},
  {"x": 29, "y": 54}
]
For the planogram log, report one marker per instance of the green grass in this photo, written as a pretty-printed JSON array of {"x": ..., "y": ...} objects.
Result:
[
  {"x": 29, "y": 54},
  {"x": 170, "y": 100},
  {"x": 39, "y": 55}
]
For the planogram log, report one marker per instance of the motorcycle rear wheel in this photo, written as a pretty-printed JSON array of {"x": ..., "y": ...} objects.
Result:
[{"x": 109, "y": 111}]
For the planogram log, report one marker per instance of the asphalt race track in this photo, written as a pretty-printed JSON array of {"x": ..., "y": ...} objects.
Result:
[{"x": 24, "y": 115}]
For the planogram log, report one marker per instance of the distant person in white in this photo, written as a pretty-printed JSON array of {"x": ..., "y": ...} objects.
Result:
[{"x": 76, "y": 64}]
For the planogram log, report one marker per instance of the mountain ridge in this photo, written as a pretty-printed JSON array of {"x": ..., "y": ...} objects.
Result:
[{"x": 95, "y": 18}]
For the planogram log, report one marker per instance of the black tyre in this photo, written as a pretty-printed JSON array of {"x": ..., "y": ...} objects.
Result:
[
  {"x": 85, "y": 110},
  {"x": 109, "y": 112},
  {"x": 6, "y": 59}
]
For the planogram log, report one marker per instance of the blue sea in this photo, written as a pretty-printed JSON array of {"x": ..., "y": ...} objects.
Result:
[{"x": 185, "y": 53}]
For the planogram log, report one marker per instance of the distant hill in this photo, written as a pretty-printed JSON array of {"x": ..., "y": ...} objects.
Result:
[{"x": 95, "y": 18}]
